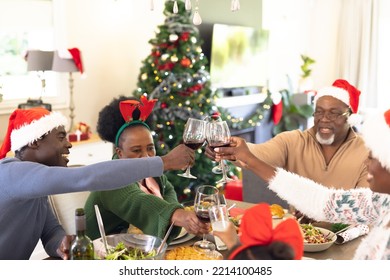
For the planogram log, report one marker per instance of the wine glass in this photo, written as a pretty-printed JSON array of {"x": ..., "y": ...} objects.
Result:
[
  {"x": 194, "y": 136},
  {"x": 205, "y": 197},
  {"x": 218, "y": 168},
  {"x": 218, "y": 135}
]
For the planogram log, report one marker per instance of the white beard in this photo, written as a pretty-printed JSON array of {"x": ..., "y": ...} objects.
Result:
[{"x": 323, "y": 141}]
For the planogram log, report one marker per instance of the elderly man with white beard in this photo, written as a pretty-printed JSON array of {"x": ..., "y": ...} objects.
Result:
[{"x": 331, "y": 152}]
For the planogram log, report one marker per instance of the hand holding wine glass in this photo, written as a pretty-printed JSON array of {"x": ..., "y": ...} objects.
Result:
[
  {"x": 206, "y": 196},
  {"x": 216, "y": 169},
  {"x": 218, "y": 135},
  {"x": 194, "y": 136}
]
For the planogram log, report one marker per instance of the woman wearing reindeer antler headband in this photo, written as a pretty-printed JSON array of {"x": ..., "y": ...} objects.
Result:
[{"x": 150, "y": 204}]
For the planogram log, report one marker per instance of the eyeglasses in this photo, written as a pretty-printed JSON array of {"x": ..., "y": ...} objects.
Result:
[{"x": 329, "y": 115}]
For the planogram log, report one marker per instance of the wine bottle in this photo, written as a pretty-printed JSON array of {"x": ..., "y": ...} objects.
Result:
[{"x": 82, "y": 246}]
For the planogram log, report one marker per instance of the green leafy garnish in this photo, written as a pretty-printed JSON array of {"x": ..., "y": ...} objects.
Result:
[
  {"x": 338, "y": 226},
  {"x": 121, "y": 252}
]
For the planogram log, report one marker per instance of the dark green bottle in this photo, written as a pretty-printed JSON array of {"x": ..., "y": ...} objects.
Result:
[{"x": 82, "y": 246}]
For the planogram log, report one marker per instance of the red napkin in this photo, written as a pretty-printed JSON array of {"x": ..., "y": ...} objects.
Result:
[{"x": 236, "y": 211}]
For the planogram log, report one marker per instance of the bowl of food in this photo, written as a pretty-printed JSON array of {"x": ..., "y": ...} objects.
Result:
[
  {"x": 130, "y": 247},
  {"x": 317, "y": 239}
]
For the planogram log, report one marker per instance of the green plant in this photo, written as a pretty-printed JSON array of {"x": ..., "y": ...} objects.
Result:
[
  {"x": 305, "y": 67},
  {"x": 293, "y": 115}
]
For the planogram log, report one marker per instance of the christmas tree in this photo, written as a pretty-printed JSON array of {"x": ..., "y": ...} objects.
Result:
[{"x": 176, "y": 73}]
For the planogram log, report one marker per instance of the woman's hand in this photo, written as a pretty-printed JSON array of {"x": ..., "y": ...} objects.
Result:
[
  {"x": 190, "y": 222},
  {"x": 229, "y": 236}
]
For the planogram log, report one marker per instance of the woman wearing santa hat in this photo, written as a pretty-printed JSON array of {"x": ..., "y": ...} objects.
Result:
[
  {"x": 357, "y": 206},
  {"x": 38, "y": 138}
]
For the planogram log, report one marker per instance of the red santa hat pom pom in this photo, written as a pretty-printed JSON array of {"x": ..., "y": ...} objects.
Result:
[
  {"x": 376, "y": 135},
  {"x": 76, "y": 55},
  {"x": 27, "y": 126}
]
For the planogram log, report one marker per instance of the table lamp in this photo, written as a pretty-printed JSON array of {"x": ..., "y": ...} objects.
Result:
[
  {"x": 39, "y": 61},
  {"x": 61, "y": 64}
]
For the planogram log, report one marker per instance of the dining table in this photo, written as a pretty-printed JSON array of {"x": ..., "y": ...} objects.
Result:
[{"x": 344, "y": 251}]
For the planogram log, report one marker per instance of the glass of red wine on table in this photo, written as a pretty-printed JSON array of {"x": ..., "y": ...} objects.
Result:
[
  {"x": 194, "y": 136},
  {"x": 205, "y": 197},
  {"x": 218, "y": 135}
]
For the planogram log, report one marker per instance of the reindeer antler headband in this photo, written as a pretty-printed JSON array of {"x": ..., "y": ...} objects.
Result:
[{"x": 127, "y": 108}]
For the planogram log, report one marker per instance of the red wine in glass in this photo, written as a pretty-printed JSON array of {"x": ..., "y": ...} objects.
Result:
[
  {"x": 205, "y": 197},
  {"x": 203, "y": 215},
  {"x": 193, "y": 145},
  {"x": 219, "y": 144}
]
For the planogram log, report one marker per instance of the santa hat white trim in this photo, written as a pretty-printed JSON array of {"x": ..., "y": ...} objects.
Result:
[
  {"x": 335, "y": 92},
  {"x": 30, "y": 132},
  {"x": 376, "y": 135},
  {"x": 343, "y": 96}
]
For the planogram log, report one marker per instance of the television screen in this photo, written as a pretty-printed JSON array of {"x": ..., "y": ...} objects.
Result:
[{"x": 238, "y": 56}]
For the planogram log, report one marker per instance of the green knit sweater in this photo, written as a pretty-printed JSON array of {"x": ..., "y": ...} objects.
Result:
[{"x": 130, "y": 205}]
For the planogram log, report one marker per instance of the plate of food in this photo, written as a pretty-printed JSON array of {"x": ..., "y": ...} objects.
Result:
[
  {"x": 317, "y": 239},
  {"x": 277, "y": 211},
  {"x": 190, "y": 253}
]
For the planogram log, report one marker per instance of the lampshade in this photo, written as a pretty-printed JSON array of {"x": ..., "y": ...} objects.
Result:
[
  {"x": 63, "y": 64},
  {"x": 39, "y": 60}
]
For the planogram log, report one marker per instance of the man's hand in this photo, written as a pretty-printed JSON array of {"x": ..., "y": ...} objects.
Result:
[
  {"x": 237, "y": 151},
  {"x": 63, "y": 250},
  {"x": 209, "y": 152},
  {"x": 179, "y": 158}
]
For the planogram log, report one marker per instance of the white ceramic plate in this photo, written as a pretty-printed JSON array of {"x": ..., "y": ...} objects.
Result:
[
  {"x": 181, "y": 234},
  {"x": 181, "y": 240},
  {"x": 311, "y": 247}
]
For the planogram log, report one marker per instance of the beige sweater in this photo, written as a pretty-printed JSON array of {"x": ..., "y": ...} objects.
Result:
[{"x": 299, "y": 152}]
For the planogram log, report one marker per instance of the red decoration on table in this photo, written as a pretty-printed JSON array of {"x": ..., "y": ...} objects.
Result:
[
  {"x": 82, "y": 133},
  {"x": 233, "y": 190}
]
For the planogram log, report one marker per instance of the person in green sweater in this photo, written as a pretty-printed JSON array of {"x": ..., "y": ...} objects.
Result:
[{"x": 151, "y": 204}]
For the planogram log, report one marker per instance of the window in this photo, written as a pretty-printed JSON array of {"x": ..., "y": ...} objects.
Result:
[
  {"x": 29, "y": 24},
  {"x": 383, "y": 98}
]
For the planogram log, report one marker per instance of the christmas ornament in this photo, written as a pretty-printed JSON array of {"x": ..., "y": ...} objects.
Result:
[
  {"x": 173, "y": 37},
  {"x": 185, "y": 62},
  {"x": 197, "y": 20},
  {"x": 174, "y": 58},
  {"x": 188, "y": 5},
  {"x": 235, "y": 5},
  {"x": 175, "y": 8}
]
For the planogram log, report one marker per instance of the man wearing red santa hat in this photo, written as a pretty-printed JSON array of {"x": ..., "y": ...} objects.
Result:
[
  {"x": 327, "y": 151},
  {"x": 38, "y": 138},
  {"x": 361, "y": 206}
]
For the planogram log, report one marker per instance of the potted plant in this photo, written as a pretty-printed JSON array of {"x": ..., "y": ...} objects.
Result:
[
  {"x": 293, "y": 115},
  {"x": 306, "y": 83}
]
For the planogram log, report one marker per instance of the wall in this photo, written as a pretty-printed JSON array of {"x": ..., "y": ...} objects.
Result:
[{"x": 113, "y": 36}]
